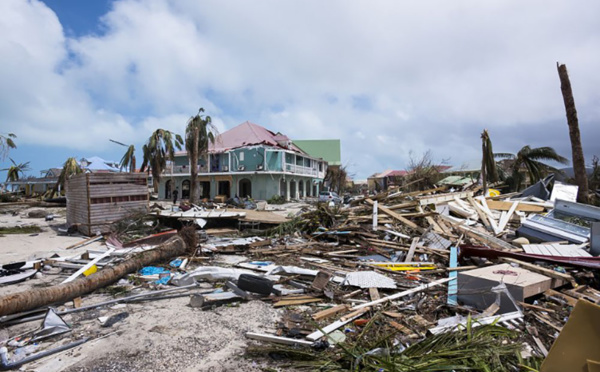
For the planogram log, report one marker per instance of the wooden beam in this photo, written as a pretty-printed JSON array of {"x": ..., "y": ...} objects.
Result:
[
  {"x": 541, "y": 270},
  {"x": 396, "y": 216},
  {"x": 411, "y": 251},
  {"x": 323, "y": 314}
]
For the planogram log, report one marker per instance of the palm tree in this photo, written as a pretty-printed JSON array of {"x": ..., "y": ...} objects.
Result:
[
  {"x": 573, "y": 123},
  {"x": 128, "y": 160},
  {"x": 70, "y": 168},
  {"x": 198, "y": 134},
  {"x": 531, "y": 159},
  {"x": 6, "y": 143},
  {"x": 15, "y": 170},
  {"x": 488, "y": 164},
  {"x": 336, "y": 178},
  {"x": 160, "y": 148}
]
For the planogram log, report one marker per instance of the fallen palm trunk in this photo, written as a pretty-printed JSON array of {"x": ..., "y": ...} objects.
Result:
[{"x": 34, "y": 298}]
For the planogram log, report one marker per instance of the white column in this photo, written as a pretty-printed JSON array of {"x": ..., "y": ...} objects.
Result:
[{"x": 287, "y": 187}]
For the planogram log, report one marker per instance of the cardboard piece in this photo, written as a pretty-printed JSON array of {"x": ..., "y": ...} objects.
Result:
[{"x": 576, "y": 348}]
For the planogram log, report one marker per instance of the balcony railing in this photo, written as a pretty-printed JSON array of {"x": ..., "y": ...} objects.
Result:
[
  {"x": 182, "y": 169},
  {"x": 291, "y": 168},
  {"x": 299, "y": 169}
]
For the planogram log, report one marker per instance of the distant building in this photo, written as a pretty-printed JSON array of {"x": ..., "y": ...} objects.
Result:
[
  {"x": 248, "y": 161},
  {"x": 49, "y": 177}
]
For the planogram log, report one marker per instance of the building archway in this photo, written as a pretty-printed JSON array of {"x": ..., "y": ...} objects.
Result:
[
  {"x": 204, "y": 189},
  {"x": 301, "y": 189},
  {"x": 223, "y": 188},
  {"x": 245, "y": 188},
  {"x": 168, "y": 189},
  {"x": 282, "y": 188},
  {"x": 293, "y": 189},
  {"x": 185, "y": 189}
]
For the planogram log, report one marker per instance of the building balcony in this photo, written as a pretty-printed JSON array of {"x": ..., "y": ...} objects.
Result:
[{"x": 301, "y": 170}]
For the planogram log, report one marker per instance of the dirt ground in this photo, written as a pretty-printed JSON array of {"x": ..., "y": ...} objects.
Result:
[{"x": 164, "y": 335}]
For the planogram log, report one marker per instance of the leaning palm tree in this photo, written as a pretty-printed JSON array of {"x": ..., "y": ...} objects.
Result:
[
  {"x": 488, "y": 164},
  {"x": 531, "y": 159},
  {"x": 15, "y": 171},
  {"x": 128, "y": 160},
  {"x": 6, "y": 143},
  {"x": 70, "y": 168},
  {"x": 199, "y": 133},
  {"x": 160, "y": 148}
]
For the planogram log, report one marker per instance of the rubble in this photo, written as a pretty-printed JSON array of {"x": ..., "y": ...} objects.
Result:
[{"x": 424, "y": 280}]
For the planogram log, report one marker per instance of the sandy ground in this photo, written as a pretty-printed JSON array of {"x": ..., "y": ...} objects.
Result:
[{"x": 164, "y": 335}]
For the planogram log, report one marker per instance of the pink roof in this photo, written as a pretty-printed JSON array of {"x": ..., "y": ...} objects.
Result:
[{"x": 249, "y": 134}]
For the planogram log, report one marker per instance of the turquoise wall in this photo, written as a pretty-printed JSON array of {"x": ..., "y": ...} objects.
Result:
[
  {"x": 274, "y": 161},
  {"x": 252, "y": 159}
]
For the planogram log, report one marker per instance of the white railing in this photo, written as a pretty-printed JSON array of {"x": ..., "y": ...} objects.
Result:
[
  {"x": 299, "y": 169},
  {"x": 182, "y": 169}
]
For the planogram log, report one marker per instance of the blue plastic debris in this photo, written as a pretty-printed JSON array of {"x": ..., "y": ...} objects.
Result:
[
  {"x": 176, "y": 262},
  {"x": 261, "y": 263},
  {"x": 164, "y": 280},
  {"x": 153, "y": 270}
]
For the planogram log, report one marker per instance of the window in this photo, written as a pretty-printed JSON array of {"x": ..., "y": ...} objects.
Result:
[
  {"x": 241, "y": 156},
  {"x": 320, "y": 167}
]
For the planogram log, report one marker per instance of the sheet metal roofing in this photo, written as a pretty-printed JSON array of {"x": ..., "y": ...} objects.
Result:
[
  {"x": 326, "y": 149},
  {"x": 250, "y": 134}
]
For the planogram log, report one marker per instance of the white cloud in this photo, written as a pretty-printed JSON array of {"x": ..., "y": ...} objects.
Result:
[{"x": 385, "y": 77}]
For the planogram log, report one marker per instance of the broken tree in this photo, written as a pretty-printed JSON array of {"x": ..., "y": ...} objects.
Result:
[{"x": 38, "y": 297}]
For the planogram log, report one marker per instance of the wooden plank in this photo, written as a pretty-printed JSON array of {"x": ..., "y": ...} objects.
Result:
[
  {"x": 296, "y": 302},
  {"x": 323, "y": 314},
  {"x": 84, "y": 242},
  {"x": 552, "y": 293},
  {"x": 506, "y": 206},
  {"x": 505, "y": 218},
  {"x": 374, "y": 294},
  {"x": 482, "y": 216},
  {"x": 411, "y": 250},
  {"x": 401, "y": 328},
  {"x": 396, "y": 216},
  {"x": 541, "y": 270}
]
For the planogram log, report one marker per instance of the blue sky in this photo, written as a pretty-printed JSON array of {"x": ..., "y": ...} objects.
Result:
[{"x": 387, "y": 78}]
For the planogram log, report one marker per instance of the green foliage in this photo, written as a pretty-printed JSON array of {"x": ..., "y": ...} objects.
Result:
[
  {"x": 483, "y": 348},
  {"x": 199, "y": 134},
  {"x": 15, "y": 171},
  {"x": 70, "y": 168},
  {"x": 159, "y": 148},
  {"x": 31, "y": 229},
  {"x": 276, "y": 199},
  {"x": 7, "y": 143},
  {"x": 309, "y": 222},
  {"x": 128, "y": 160},
  {"x": 530, "y": 159}
]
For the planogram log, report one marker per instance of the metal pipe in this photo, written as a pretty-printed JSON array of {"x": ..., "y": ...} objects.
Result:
[{"x": 5, "y": 365}]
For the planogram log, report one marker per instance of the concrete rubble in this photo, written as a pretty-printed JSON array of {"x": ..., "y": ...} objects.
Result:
[{"x": 426, "y": 280}]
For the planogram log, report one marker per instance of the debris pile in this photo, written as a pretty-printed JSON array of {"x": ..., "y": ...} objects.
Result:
[{"x": 426, "y": 280}]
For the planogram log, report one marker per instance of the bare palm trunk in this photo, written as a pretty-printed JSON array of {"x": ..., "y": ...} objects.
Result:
[
  {"x": 578, "y": 159},
  {"x": 483, "y": 175},
  {"x": 38, "y": 297},
  {"x": 194, "y": 169}
]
